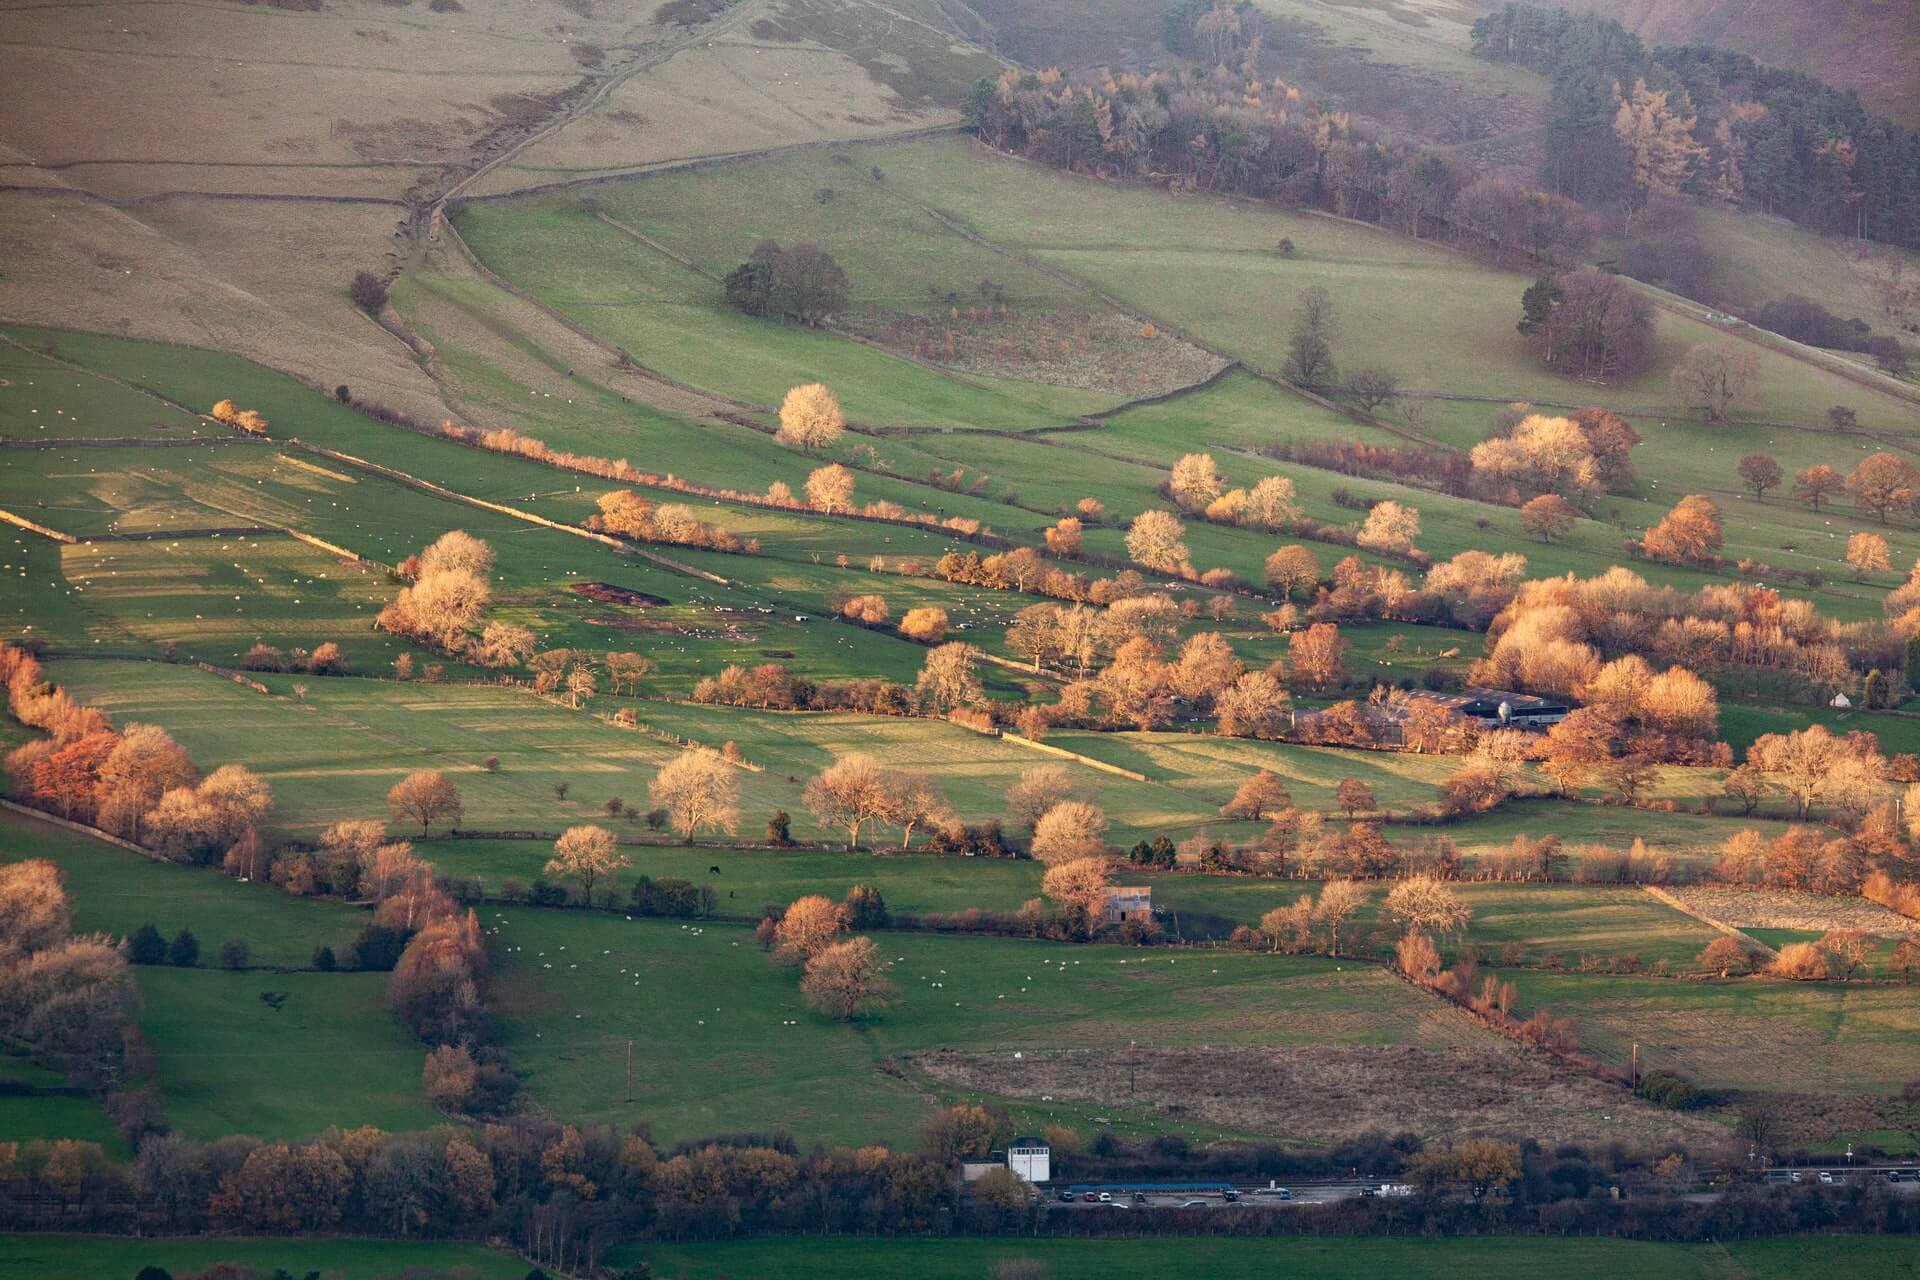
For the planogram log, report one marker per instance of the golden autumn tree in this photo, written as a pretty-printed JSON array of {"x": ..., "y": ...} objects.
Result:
[
  {"x": 810, "y": 417},
  {"x": 1688, "y": 534},
  {"x": 1661, "y": 151}
]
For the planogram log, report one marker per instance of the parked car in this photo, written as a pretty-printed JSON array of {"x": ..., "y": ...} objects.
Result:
[
  {"x": 1067, "y": 1196},
  {"x": 1139, "y": 1197},
  {"x": 1106, "y": 1197},
  {"x": 1194, "y": 1204},
  {"x": 1830, "y": 1179},
  {"x": 1092, "y": 1197}
]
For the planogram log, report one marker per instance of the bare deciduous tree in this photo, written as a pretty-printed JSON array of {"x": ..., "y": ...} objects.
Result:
[
  {"x": 847, "y": 979},
  {"x": 810, "y": 417},
  {"x": 425, "y": 796},
  {"x": 587, "y": 854},
  {"x": 698, "y": 790}
]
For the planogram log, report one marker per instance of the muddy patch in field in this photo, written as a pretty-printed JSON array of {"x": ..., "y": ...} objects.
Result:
[
  {"x": 1778, "y": 909},
  {"x": 607, "y": 593},
  {"x": 1327, "y": 1093},
  {"x": 1064, "y": 347}
]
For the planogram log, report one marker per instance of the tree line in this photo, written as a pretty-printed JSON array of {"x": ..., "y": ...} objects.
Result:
[
  {"x": 1627, "y": 124},
  {"x": 1229, "y": 128}
]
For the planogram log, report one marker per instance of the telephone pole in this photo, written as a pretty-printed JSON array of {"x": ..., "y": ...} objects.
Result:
[{"x": 629, "y": 1070}]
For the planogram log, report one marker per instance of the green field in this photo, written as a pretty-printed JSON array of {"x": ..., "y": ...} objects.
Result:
[
  {"x": 331, "y": 1055},
  {"x": 334, "y": 756},
  {"x": 1568, "y": 919},
  {"x": 1839, "y": 1037},
  {"x": 115, "y": 891},
  {"x": 107, "y": 1258},
  {"x": 1177, "y": 268},
  {"x": 739, "y": 1050},
  {"x": 1228, "y": 1259},
  {"x": 672, "y": 320}
]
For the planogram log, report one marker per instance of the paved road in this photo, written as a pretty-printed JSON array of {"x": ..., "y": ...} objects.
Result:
[{"x": 1251, "y": 1196}]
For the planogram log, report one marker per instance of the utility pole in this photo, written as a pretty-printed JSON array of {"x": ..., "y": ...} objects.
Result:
[
  {"x": 1633, "y": 1074},
  {"x": 1133, "y": 1060},
  {"x": 629, "y": 1070}
]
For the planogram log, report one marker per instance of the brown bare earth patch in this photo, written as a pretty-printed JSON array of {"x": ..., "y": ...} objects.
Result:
[
  {"x": 607, "y": 593},
  {"x": 1326, "y": 1093},
  {"x": 1813, "y": 1118},
  {"x": 1106, "y": 352},
  {"x": 1778, "y": 909}
]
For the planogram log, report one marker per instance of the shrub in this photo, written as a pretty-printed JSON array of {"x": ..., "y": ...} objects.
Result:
[
  {"x": 1665, "y": 1089},
  {"x": 369, "y": 292},
  {"x": 234, "y": 953},
  {"x": 378, "y": 948},
  {"x": 184, "y": 950},
  {"x": 146, "y": 946},
  {"x": 1801, "y": 962},
  {"x": 324, "y": 959}
]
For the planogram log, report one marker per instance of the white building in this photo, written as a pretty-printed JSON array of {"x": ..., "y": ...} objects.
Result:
[
  {"x": 1129, "y": 902},
  {"x": 1031, "y": 1158}
]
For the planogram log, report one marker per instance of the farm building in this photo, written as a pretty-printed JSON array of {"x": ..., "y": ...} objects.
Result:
[
  {"x": 1129, "y": 902},
  {"x": 1500, "y": 708},
  {"x": 1031, "y": 1158}
]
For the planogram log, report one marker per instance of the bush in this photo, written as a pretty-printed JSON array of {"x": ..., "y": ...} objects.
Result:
[
  {"x": 671, "y": 896},
  {"x": 1675, "y": 260},
  {"x": 146, "y": 946},
  {"x": 324, "y": 960},
  {"x": 1809, "y": 322},
  {"x": 234, "y": 953},
  {"x": 378, "y": 948},
  {"x": 1664, "y": 1089},
  {"x": 369, "y": 292},
  {"x": 1800, "y": 961},
  {"x": 184, "y": 950}
]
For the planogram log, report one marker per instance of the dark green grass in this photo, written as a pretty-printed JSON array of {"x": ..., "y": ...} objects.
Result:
[
  {"x": 331, "y": 1055},
  {"x": 24, "y": 1118},
  {"x": 1740, "y": 724},
  {"x": 109, "y": 1258},
  {"x": 115, "y": 891},
  {"x": 1256, "y": 1259},
  {"x": 42, "y": 401}
]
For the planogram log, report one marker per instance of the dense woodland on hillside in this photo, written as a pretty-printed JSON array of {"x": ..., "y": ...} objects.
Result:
[{"x": 1629, "y": 124}]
